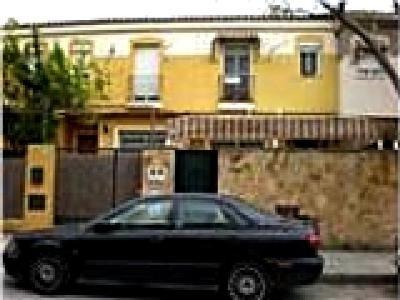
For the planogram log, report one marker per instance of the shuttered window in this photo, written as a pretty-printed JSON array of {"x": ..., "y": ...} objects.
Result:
[{"x": 146, "y": 74}]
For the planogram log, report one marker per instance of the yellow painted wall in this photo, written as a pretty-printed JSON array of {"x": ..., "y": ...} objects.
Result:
[
  {"x": 119, "y": 70},
  {"x": 189, "y": 72},
  {"x": 280, "y": 88},
  {"x": 40, "y": 156},
  {"x": 190, "y": 84}
]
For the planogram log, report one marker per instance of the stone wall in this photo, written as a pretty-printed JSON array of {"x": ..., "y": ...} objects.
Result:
[{"x": 354, "y": 194}]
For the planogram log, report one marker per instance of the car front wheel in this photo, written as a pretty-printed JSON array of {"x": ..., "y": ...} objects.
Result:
[
  {"x": 48, "y": 274},
  {"x": 248, "y": 281}
]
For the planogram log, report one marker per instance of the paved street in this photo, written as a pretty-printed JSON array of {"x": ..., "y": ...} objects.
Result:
[{"x": 317, "y": 292}]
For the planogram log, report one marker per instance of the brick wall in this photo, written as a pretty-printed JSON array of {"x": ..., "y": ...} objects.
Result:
[{"x": 354, "y": 194}]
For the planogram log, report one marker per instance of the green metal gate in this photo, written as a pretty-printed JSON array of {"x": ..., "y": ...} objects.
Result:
[{"x": 196, "y": 171}]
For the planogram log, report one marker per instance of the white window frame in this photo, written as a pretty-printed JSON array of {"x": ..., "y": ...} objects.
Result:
[
  {"x": 249, "y": 106},
  {"x": 82, "y": 45},
  {"x": 146, "y": 102},
  {"x": 318, "y": 48},
  {"x": 249, "y": 45}
]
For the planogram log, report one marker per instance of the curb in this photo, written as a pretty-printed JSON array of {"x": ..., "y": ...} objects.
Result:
[{"x": 359, "y": 278}]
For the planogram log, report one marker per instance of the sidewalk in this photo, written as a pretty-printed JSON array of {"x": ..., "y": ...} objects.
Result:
[{"x": 359, "y": 267}]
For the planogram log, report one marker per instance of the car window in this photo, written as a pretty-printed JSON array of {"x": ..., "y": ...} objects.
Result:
[
  {"x": 149, "y": 212},
  {"x": 253, "y": 212},
  {"x": 203, "y": 213}
]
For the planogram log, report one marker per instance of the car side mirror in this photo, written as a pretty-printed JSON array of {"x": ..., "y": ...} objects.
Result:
[{"x": 104, "y": 227}]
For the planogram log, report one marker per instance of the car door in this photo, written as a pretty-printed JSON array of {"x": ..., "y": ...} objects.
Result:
[
  {"x": 131, "y": 243},
  {"x": 203, "y": 239}
]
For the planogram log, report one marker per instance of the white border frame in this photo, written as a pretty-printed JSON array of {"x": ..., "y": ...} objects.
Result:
[{"x": 319, "y": 46}]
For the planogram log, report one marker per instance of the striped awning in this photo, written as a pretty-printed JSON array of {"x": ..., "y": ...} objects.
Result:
[{"x": 265, "y": 127}]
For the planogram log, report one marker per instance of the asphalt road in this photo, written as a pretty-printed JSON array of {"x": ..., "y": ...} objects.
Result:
[{"x": 314, "y": 292}]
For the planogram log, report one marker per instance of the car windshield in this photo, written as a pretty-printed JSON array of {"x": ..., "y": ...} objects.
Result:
[{"x": 107, "y": 216}]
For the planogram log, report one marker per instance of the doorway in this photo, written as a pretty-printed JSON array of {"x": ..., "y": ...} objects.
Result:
[{"x": 196, "y": 171}]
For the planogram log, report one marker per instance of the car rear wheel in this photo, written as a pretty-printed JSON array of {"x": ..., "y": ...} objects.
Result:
[
  {"x": 48, "y": 274},
  {"x": 248, "y": 281}
]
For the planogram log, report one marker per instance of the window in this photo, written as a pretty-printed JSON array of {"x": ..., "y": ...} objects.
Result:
[
  {"x": 149, "y": 212},
  {"x": 37, "y": 175},
  {"x": 367, "y": 66},
  {"x": 37, "y": 202},
  {"x": 146, "y": 74},
  {"x": 202, "y": 212},
  {"x": 237, "y": 59},
  {"x": 31, "y": 55},
  {"x": 309, "y": 60},
  {"x": 81, "y": 52},
  {"x": 87, "y": 143},
  {"x": 142, "y": 139},
  {"x": 236, "y": 78}
]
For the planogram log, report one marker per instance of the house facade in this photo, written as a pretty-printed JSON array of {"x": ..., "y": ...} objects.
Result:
[
  {"x": 163, "y": 69},
  {"x": 197, "y": 82},
  {"x": 229, "y": 104}
]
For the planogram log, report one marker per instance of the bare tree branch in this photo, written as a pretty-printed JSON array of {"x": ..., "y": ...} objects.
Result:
[{"x": 352, "y": 25}]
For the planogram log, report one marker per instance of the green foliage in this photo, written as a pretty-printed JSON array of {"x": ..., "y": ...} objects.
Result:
[{"x": 38, "y": 86}]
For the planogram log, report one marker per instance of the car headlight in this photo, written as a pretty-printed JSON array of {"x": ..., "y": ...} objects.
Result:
[{"x": 12, "y": 249}]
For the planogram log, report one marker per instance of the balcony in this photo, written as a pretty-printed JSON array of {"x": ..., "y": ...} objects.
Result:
[
  {"x": 144, "y": 90},
  {"x": 236, "y": 91}
]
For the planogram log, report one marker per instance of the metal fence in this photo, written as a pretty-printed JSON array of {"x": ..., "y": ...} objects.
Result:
[
  {"x": 88, "y": 184},
  {"x": 13, "y": 186}
]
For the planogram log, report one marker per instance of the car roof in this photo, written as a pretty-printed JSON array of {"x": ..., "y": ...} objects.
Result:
[{"x": 184, "y": 196}]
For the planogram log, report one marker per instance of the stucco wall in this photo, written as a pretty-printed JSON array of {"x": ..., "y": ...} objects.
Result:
[
  {"x": 366, "y": 96},
  {"x": 190, "y": 66},
  {"x": 354, "y": 194}
]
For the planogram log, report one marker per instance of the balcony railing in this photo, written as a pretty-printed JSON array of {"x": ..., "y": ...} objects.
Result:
[
  {"x": 144, "y": 89},
  {"x": 236, "y": 88}
]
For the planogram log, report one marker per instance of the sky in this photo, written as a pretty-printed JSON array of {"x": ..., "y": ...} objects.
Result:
[{"x": 26, "y": 11}]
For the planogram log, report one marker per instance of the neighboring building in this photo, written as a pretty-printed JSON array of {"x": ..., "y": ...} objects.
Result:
[{"x": 365, "y": 89}]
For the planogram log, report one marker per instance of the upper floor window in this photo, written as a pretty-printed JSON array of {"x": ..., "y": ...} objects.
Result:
[
  {"x": 31, "y": 55},
  {"x": 81, "y": 53},
  {"x": 236, "y": 78},
  {"x": 367, "y": 66},
  {"x": 147, "y": 74},
  {"x": 309, "y": 60}
]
